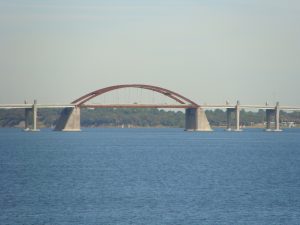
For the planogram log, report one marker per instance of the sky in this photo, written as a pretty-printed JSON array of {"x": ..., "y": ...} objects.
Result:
[{"x": 207, "y": 50}]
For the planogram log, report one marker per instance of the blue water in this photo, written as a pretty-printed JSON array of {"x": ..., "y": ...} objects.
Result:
[{"x": 149, "y": 176}]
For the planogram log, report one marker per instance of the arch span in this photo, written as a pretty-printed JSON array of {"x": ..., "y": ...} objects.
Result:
[
  {"x": 171, "y": 94},
  {"x": 195, "y": 118}
]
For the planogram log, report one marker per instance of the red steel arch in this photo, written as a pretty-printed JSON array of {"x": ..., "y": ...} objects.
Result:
[{"x": 171, "y": 94}]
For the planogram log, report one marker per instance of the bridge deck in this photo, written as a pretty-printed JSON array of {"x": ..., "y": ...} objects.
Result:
[
  {"x": 40, "y": 106},
  {"x": 288, "y": 108},
  {"x": 183, "y": 106}
]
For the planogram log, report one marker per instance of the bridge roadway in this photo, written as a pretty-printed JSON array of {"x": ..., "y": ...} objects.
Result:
[
  {"x": 230, "y": 108},
  {"x": 264, "y": 107},
  {"x": 205, "y": 106},
  {"x": 34, "y": 108},
  {"x": 40, "y": 106}
]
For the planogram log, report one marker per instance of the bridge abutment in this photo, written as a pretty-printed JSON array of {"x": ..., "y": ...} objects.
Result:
[
  {"x": 196, "y": 120},
  {"x": 69, "y": 120}
]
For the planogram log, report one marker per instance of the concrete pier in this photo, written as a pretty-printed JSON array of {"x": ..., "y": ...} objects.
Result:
[
  {"x": 28, "y": 113},
  {"x": 277, "y": 117},
  {"x": 196, "y": 120},
  {"x": 27, "y": 119},
  {"x": 237, "y": 116},
  {"x": 269, "y": 114},
  {"x": 34, "y": 116},
  {"x": 228, "y": 116},
  {"x": 273, "y": 113},
  {"x": 229, "y": 112},
  {"x": 69, "y": 120}
]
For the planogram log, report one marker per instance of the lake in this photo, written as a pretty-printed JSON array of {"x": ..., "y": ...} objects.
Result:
[{"x": 150, "y": 176}]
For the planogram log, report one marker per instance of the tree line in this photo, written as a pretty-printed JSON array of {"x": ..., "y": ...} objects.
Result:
[{"x": 137, "y": 117}]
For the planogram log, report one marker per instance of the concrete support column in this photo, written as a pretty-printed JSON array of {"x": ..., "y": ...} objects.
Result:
[
  {"x": 237, "y": 116},
  {"x": 34, "y": 116},
  {"x": 268, "y": 119},
  {"x": 69, "y": 120},
  {"x": 277, "y": 117},
  {"x": 273, "y": 113},
  {"x": 196, "y": 120},
  {"x": 228, "y": 116},
  {"x": 27, "y": 111},
  {"x": 27, "y": 114},
  {"x": 190, "y": 119}
]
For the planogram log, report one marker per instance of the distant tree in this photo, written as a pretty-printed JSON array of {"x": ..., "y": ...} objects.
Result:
[{"x": 137, "y": 117}]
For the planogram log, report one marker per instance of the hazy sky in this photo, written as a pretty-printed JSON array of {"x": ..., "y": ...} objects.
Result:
[{"x": 208, "y": 50}]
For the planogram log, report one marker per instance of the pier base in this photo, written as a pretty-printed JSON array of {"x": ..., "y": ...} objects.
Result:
[
  {"x": 273, "y": 113},
  {"x": 31, "y": 112},
  {"x": 236, "y": 111},
  {"x": 196, "y": 120},
  {"x": 69, "y": 120}
]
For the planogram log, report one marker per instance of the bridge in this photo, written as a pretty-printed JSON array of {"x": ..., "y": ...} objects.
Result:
[{"x": 195, "y": 117}]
